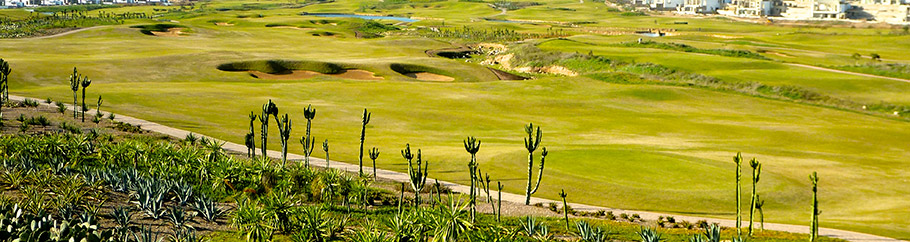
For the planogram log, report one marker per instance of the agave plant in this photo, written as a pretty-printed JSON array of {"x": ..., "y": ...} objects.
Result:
[
  {"x": 712, "y": 233},
  {"x": 589, "y": 233},
  {"x": 649, "y": 235},
  {"x": 146, "y": 234},
  {"x": 450, "y": 221},
  {"x": 179, "y": 218},
  {"x": 207, "y": 209},
  {"x": 183, "y": 193},
  {"x": 530, "y": 226},
  {"x": 123, "y": 217},
  {"x": 314, "y": 224}
]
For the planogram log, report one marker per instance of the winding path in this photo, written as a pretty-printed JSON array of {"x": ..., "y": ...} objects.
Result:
[
  {"x": 62, "y": 34},
  {"x": 510, "y": 197},
  {"x": 848, "y": 72}
]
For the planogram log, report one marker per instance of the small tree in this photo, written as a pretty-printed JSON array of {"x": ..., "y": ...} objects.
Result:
[
  {"x": 374, "y": 153},
  {"x": 739, "y": 172},
  {"x": 251, "y": 136},
  {"x": 472, "y": 145},
  {"x": 875, "y": 57},
  {"x": 85, "y": 83},
  {"x": 363, "y": 133},
  {"x": 531, "y": 144},
  {"x": 756, "y": 174},
  {"x": 75, "y": 81},
  {"x": 325, "y": 147},
  {"x": 813, "y": 227},
  {"x": 418, "y": 177},
  {"x": 284, "y": 132}
]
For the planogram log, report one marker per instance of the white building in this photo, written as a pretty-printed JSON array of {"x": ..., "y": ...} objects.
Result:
[
  {"x": 699, "y": 6},
  {"x": 815, "y": 9}
]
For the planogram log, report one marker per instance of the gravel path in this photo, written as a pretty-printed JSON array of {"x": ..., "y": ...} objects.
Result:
[{"x": 510, "y": 197}]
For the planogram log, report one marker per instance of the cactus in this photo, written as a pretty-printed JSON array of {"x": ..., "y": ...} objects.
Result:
[
  {"x": 363, "y": 133},
  {"x": 531, "y": 144},
  {"x": 251, "y": 137},
  {"x": 308, "y": 145},
  {"x": 756, "y": 174},
  {"x": 74, "y": 85},
  {"x": 374, "y": 153},
  {"x": 813, "y": 233},
  {"x": 565, "y": 207},
  {"x": 472, "y": 145},
  {"x": 85, "y": 83},
  {"x": 309, "y": 113},
  {"x": 4, "y": 84},
  {"x": 98, "y": 114},
  {"x": 264, "y": 121},
  {"x": 418, "y": 177},
  {"x": 761, "y": 213},
  {"x": 738, "y": 159},
  {"x": 284, "y": 132},
  {"x": 499, "y": 203},
  {"x": 325, "y": 147}
]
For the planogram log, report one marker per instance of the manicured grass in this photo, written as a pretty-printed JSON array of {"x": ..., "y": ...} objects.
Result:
[{"x": 635, "y": 147}]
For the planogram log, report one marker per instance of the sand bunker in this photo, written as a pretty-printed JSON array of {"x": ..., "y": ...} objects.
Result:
[
  {"x": 355, "y": 74},
  {"x": 171, "y": 32},
  {"x": 224, "y": 24},
  {"x": 426, "y": 76},
  {"x": 290, "y": 27}
]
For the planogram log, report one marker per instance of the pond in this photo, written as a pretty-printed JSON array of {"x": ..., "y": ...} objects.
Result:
[{"x": 337, "y": 15}]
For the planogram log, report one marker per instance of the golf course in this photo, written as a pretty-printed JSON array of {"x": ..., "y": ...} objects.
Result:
[{"x": 637, "y": 111}]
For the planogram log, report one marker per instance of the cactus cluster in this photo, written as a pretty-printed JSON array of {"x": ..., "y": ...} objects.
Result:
[{"x": 417, "y": 171}]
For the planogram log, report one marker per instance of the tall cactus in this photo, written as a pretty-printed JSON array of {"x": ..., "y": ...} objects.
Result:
[
  {"x": 531, "y": 144},
  {"x": 284, "y": 132},
  {"x": 264, "y": 131},
  {"x": 756, "y": 175},
  {"x": 761, "y": 213},
  {"x": 374, "y": 154},
  {"x": 738, "y": 159},
  {"x": 309, "y": 113},
  {"x": 4, "y": 84},
  {"x": 325, "y": 147},
  {"x": 472, "y": 145},
  {"x": 363, "y": 133},
  {"x": 499, "y": 202},
  {"x": 309, "y": 144},
  {"x": 85, "y": 83},
  {"x": 565, "y": 207},
  {"x": 418, "y": 177},
  {"x": 813, "y": 233},
  {"x": 251, "y": 137},
  {"x": 75, "y": 82}
]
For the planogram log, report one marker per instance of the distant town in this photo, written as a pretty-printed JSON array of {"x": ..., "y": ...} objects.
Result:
[
  {"x": 888, "y": 11},
  {"x": 36, "y": 3}
]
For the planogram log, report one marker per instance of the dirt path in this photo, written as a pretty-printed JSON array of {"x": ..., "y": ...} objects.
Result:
[
  {"x": 848, "y": 72},
  {"x": 510, "y": 197},
  {"x": 63, "y": 34}
]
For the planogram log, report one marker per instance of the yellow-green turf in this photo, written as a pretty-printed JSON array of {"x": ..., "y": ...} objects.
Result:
[{"x": 655, "y": 148}]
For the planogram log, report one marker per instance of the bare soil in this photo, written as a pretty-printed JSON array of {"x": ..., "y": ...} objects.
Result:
[
  {"x": 171, "y": 32},
  {"x": 426, "y": 76},
  {"x": 355, "y": 74}
]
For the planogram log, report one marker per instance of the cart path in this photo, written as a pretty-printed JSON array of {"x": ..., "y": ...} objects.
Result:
[
  {"x": 58, "y": 35},
  {"x": 510, "y": 197},
  {"x": 848, "y": 72}
]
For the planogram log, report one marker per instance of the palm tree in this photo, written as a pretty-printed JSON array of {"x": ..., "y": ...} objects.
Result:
[{"x": 363, "y": 132}]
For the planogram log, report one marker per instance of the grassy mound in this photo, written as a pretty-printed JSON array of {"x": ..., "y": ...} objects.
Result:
[
  {"x": 282, "y": 66},
  {"x": 149, "y": 28}
]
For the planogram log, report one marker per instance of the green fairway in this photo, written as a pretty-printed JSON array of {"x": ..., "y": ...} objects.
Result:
[{"x": 656, "y": 148}]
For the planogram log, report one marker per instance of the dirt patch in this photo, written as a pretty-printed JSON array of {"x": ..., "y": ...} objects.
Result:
[
  {"x": 355, "y": 74},
  {"x": 224, "y": 24},
  {"x": 171, "y": 32},
  {"x": 426, "y": 76},
  {"x": 503, "y": 75}
]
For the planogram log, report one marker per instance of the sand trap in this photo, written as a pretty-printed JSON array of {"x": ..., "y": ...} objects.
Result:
[
  {"x": 291, "y": 27},
  {"x": 426, "y": 76},
  {"x": 224, "y": 24},
  {"x": 355, "y": 74},
  {"x": 171, "y": 32}
]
